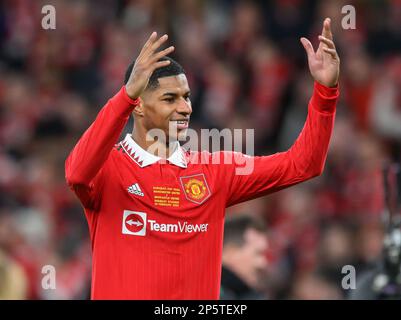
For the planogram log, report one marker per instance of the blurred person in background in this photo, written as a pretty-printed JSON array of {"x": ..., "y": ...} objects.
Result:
[
  {"x": 312, "y": 286},
  {"x": 13, "y": 281},
  {"x": 385, "y": 108},
  {"x": 244, "y": 259},
  {"x": 336, "y": 250}
]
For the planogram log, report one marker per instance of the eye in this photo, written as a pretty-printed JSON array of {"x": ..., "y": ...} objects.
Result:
[
  {"x": 187, "y": 97},
  {"x": 169, "y": 100}
]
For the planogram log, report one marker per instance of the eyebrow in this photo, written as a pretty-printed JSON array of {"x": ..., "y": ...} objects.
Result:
[{"x": 173, "y": 94}]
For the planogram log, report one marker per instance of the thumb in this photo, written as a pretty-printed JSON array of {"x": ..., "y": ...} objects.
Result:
[{"x": 308, "y": 47}]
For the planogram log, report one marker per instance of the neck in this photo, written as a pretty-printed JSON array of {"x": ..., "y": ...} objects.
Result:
[{"x": 162, "y": 149}]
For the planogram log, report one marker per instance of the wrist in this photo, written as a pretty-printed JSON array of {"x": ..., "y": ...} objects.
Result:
[
  {"x": 132, "y": 100},
  {"x": 334, "y": 86},
  {"x": 325, "y": 98}
]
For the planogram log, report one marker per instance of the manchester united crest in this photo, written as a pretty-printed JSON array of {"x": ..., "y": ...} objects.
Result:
[{"x": 195, "y": 188}]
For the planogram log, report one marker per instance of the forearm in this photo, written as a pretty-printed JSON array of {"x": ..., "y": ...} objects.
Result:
[
  {"x": 92, "y": 150},
  {"x": 309, "y": 152}
]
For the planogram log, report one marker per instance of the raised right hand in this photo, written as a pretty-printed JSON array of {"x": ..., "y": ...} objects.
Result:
[{"x": 145, "y": 64}]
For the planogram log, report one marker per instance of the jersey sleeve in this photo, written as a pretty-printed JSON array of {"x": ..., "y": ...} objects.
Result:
[
  {"x": 252, "y": 177},
  {"x": 84, "y": 167}
]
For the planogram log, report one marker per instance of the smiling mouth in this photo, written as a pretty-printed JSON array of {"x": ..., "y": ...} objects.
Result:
[{"x": 181, "y": 124}]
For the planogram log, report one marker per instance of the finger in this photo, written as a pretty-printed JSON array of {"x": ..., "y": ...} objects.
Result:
[
  {"x": 327, "y": 42},
  {"x": 160, "y": 64},
  {"x": 150, "y": 40},
  {"x": 331, "y": 52},
  {"x": 158, "y": 43},
  {"x": 326, "y": 32},
  {"x": 308, "y": 47},
  {"x": 163, "y": 53},
  {"x": 148, "y": 43}
]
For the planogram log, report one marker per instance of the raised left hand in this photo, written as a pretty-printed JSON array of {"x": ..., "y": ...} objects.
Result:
[{"x": 324, "y": 64}]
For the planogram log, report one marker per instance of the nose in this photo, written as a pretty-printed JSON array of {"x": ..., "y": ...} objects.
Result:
[{"x": 184, "y": 107}]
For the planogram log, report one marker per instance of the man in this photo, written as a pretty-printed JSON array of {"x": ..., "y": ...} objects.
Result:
[
  {"x": 244, "y": 259},
  {"x": 155, "y": 211}
]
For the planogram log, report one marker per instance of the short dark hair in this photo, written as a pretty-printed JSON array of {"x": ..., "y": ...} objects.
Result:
[
  {"x": 235, "y": 227},
  {"x": 173, "y": 69}
]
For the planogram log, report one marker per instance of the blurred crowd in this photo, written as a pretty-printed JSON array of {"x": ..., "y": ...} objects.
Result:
[{"x": 247, "y": 69}]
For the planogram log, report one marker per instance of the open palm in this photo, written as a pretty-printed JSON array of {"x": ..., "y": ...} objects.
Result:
[{"x": 324, "y": 64}]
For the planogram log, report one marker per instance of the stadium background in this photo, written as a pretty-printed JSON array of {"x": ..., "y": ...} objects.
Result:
[{"x": 247, "y": 69}]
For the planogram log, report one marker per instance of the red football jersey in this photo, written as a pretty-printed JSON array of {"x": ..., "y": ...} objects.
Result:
[{"x": 156, "y": 226}]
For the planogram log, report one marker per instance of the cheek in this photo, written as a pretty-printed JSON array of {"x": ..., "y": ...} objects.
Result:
[
  {"x": 249, "y": 255},
  {"x": 255, "y": 257},
  {"x": 157, "y": 117}
]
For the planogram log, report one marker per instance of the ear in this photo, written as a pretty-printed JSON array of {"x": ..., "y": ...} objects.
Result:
[{"x": 138, "y": 110}]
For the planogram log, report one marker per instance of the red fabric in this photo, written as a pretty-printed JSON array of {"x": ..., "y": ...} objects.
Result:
[{"x": 175, "y": 264}]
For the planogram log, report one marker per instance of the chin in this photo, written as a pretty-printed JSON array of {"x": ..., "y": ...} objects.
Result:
[{"x": 181, "y": 136}]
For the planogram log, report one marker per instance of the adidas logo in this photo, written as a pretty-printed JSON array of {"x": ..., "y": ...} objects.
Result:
[{"x": 135, "y": 189}]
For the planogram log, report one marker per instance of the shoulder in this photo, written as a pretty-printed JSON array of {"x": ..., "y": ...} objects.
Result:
[{"x": 117, "y": 153}]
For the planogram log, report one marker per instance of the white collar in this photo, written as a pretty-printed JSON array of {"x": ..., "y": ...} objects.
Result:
[{"x": 144, "y": 158}]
